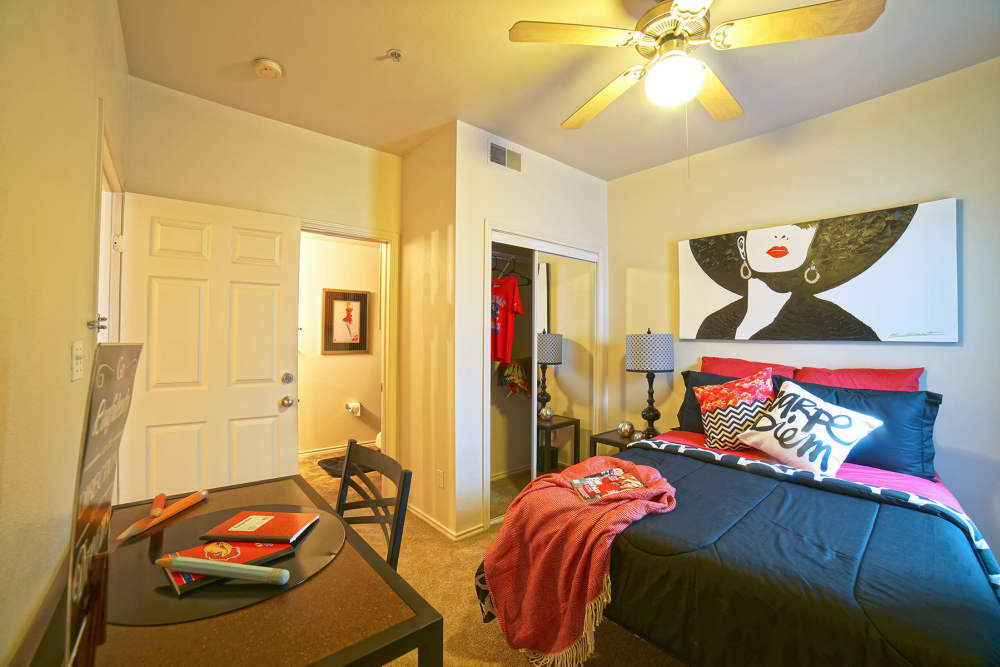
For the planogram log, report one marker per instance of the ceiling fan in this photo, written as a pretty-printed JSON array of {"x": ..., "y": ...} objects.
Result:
[{"x": 667, "y": 34}]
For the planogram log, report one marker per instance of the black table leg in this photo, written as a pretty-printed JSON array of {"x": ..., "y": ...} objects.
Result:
[
  {"x": 576, "y": 442},
  {"x": 546, "y": 451},
  {"x": 431, "y": 652}
]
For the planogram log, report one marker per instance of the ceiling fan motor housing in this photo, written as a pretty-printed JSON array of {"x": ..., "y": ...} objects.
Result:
[{"x": 658, "y": 23}]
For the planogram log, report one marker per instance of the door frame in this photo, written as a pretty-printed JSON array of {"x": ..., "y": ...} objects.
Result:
[
  {"x": 110, "y": 181},
  {"x": 388, "y": 312},
  {"x": 498, "y": 234}
]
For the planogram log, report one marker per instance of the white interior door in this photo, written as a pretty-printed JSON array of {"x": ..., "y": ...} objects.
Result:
[{"x": 212, "y": 293}]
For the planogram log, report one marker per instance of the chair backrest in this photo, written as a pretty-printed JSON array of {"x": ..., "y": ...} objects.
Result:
[{"x": 388, "y": 513}]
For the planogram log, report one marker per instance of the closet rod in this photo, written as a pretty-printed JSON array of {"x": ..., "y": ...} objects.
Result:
[{"x": 499, "y": 254}]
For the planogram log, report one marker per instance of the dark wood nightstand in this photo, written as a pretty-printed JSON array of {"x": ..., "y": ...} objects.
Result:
[
  {"x": 545, "y": 429},
  {"x": 608, "y": 438}
]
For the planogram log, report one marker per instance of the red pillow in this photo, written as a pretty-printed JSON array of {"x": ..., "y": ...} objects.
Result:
[
  {"x": 886, "y": 379},
  {"x": 741, "y": 367}
]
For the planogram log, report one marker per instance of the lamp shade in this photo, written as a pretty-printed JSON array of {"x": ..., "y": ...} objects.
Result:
[
  {"x": 649, "y": 352},
  {"x": 549, "y": 348}
]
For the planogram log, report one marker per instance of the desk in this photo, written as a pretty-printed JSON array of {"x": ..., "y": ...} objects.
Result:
[
  {"x": 355, "y": 611},
  {"x": 545, "y": 429}
]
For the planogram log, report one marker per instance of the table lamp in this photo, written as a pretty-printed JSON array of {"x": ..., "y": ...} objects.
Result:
[
  {"x": 549, "y": 352},
  {"x": 649, "y": 353}
]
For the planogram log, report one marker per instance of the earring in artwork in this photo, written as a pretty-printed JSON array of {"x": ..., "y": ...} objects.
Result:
[
  {"x": 815, "y": 277},
  {"x": 745, "y": 272}
]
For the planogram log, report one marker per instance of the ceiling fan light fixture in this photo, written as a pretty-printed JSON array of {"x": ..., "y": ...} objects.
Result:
[{"x": 674, "y": 79}]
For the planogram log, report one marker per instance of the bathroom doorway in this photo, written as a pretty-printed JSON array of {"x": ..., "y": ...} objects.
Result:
[{"x": 341, "y": 347}]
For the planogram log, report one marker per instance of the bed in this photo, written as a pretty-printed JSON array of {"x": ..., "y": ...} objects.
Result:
[{"x": 762, "y": 564}]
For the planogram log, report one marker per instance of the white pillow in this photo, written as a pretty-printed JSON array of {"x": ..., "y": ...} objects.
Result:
[{"x": 804, "y": 431}]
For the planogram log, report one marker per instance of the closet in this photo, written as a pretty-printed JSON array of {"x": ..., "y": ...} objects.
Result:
[
  {"x": 556, "y": 293},
  {"x": 511, "y": 403}
]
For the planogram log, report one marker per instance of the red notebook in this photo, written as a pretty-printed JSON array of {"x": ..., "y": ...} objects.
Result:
[
  {"x": 249, "y": 553},
  {"x": 259, "y": 526}
]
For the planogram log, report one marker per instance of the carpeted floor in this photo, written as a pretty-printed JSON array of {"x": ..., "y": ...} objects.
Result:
[
  {"x": 504, "y": 489},
  {"x": 442, "y": 570}
]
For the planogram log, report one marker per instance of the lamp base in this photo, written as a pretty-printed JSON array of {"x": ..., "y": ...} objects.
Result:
[{"x": 650, "y": 413}]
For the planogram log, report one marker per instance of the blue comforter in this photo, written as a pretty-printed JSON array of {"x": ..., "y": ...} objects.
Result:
[{"x": 763, "y": 565}]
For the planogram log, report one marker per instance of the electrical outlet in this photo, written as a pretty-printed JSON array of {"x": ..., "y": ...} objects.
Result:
[
  {"x": 439, "y": 474},
  {"x": 77, "y": 358}
]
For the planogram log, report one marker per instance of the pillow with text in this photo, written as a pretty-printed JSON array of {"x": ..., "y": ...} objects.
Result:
[{"x": 803, "y": 431}]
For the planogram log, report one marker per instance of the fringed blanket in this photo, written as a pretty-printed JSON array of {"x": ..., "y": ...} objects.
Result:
[{"x": 547, "y": 570}]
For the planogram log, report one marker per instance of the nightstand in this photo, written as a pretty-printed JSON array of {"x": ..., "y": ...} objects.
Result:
[
  {"x": 608, "y": 438},
  {"x": 545, "y": 429}
]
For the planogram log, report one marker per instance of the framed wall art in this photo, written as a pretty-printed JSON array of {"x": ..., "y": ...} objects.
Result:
[
  {"x": 345, "y": 321},
  {"x": 886, "y": 275}
]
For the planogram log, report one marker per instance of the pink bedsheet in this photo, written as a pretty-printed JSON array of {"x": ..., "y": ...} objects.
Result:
[{"x": 933, "y": 489}]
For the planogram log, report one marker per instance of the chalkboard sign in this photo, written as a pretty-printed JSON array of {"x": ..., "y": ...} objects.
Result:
[{"x": 110, "y": 395}]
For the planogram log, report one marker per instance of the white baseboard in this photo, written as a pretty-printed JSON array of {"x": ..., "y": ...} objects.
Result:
[
  {"x": 441, "y": 528},
  {"x": 508, "y": 473},
  {"x": 336, "y": 450}
]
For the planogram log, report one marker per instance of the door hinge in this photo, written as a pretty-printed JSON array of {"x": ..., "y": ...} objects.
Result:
[{"x": 118, "y": 243}]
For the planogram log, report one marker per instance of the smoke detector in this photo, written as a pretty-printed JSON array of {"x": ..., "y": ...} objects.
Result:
[{"x": 267, "y": 68}]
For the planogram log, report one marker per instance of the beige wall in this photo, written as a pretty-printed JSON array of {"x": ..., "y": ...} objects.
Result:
[
  {"x": 571, "y": 313},
  {"x": 546, "y": 200},
  {"x": 935, "y": 140},
  {"x": 427, "y": 316},
  {"x": 185, "y": 147},
  {"x": 451, "y": 192},
  {"x": 63, "y": 57},
  {"x": 328, "y": 381}
]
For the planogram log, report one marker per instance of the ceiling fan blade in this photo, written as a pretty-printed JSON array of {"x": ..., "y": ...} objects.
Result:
[
  {"x": 571, "y": 33},
  {"x": 689, "y": 10},
  {"x": 717, "y": 99},
  {"x": 606, "y": 96},
  {"x": 838, "y": 17}
]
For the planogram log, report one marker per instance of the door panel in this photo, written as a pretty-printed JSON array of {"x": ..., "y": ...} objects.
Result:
[
  {"x": 175, "y": 346},
  {"x": 212, "y": 292},
  {"x": 253, "y": 333}
]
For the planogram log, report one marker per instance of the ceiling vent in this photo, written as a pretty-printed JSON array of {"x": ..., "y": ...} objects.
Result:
[{"x": 505, "y": 157}]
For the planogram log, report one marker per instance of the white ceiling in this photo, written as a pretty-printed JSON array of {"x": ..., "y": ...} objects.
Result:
[{"x": 458, "y": 63}]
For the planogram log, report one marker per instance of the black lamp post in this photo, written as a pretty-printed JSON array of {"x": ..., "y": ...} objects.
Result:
[{"x": 649, "y": 353}]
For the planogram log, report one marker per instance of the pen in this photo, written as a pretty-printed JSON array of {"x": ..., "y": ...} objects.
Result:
[
  {"x": 148, "y": 522},
  {"x": 215, "y": 568}
]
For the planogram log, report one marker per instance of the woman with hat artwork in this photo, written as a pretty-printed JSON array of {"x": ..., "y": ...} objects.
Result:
[{"x": 778, "y": 271}]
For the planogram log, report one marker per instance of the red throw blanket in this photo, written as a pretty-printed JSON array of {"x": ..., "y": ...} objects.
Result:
[{"x": 548, "y": 569}]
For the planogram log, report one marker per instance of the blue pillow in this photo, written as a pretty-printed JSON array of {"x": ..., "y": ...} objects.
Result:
[
  {"x": 905, "y": 441},
  {"x": 689, "y": 416}
]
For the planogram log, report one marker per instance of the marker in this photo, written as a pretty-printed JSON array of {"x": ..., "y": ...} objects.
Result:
[
  {"x": 158, "y": 504},
  {"x": 216, "y": 568},
  {"x": 148, "y": 522}
]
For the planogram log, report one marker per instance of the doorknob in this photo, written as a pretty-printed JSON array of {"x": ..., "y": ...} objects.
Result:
[{"x": 287, "y": 402}]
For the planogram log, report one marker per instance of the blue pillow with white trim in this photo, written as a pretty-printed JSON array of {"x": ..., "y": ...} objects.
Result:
[{"x": 905, "y": 442}]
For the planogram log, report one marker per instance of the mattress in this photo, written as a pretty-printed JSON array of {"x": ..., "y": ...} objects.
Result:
[{"x": 759, "y": 566}]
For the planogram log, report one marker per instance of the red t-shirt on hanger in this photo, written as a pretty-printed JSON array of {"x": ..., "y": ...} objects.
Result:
[{"x": 505, "y": 305}]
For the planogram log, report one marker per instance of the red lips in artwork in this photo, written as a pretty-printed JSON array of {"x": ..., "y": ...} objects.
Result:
[{"x": 777, "y": 251}]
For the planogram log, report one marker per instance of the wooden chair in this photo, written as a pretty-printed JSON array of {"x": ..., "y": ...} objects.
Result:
[{"x": 388, "y": 513}]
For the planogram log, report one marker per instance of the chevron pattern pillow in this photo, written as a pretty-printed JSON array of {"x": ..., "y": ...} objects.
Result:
[{"x": 727, "y": 410}]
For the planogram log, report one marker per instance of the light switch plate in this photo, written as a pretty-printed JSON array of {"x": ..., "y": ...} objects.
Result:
[{"x": 77, "y": 358}]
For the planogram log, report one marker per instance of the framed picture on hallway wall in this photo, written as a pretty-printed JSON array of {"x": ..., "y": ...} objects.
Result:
[{"x": 345, "y": 321}]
